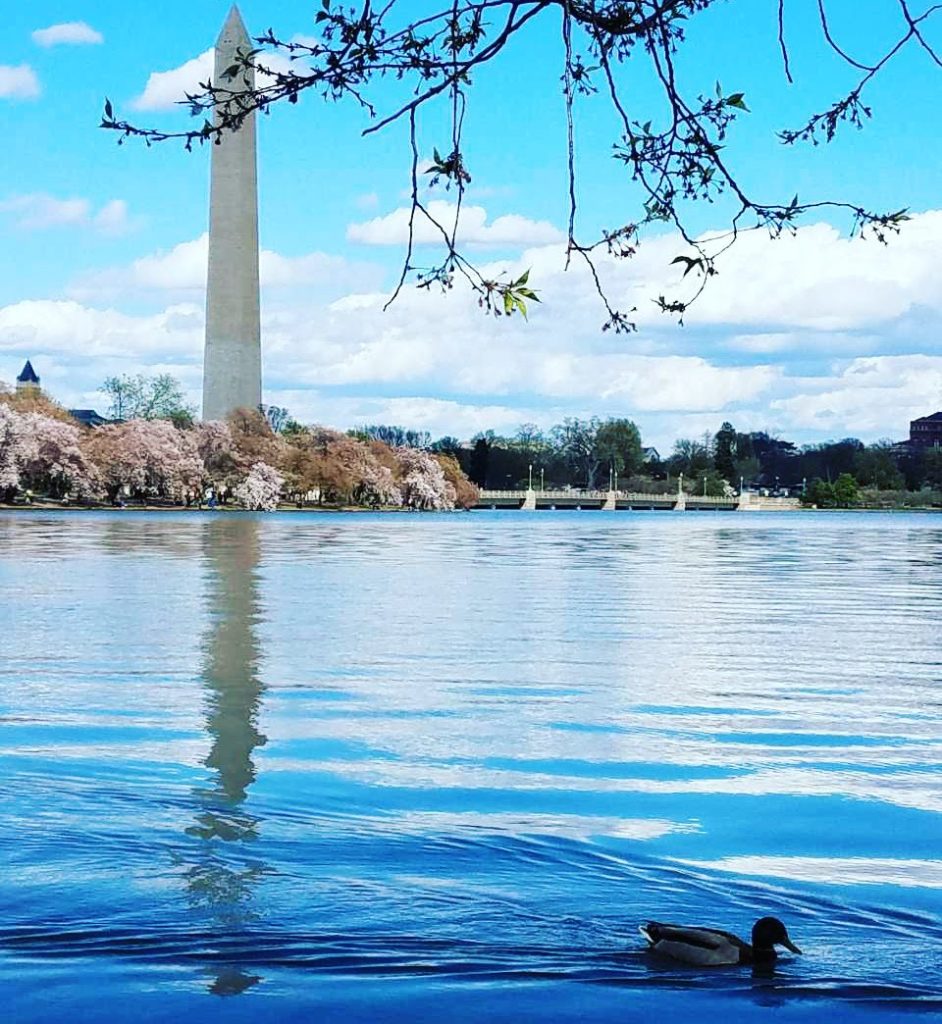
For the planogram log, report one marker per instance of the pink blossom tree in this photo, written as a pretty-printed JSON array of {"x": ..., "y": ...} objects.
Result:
[
  {"x": 378, "y": 486},
  {"x": 11, "y": 451},
  {"x": 148, "y": 457},
  {"x": 423, "y": 484},
  {"x": 52, "y": 458},
  {"x": 222, "y": 463},
  {"x": 260, "y": 490}
]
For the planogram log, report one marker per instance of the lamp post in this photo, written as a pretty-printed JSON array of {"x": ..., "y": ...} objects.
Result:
[
  {"x": 530, "y": 483},
  {"x": 611, "y": 478},
  {"x": 741, "y": 484},
  {"x": 541, "y": 480}
]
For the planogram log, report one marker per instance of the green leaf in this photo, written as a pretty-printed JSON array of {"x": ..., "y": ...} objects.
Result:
[
  {"x": 736, "y": 100},
  {"x": 508, "y": 303},
  {"x": 109, "y": 112}
]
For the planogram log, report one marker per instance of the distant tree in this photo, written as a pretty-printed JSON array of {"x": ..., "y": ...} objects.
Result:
[
  {"x": 745, "y": 470},
  {"x": 819, "y": 493},
  {"x": 577, "y": 442},
  {"x": 34, "y": 401},
  {"x": 145, "y": 398},
  {"x": 690, "y": 457},
  {"x": 829, "y": 459},
  {"x": 709, "y": 483},
  {"x": 52, "y": 460},
  {"x": 378, "y": 487},
  {"x": 618, "y": 444},
  {"x": 846, "y": 494},
  {"x": 397, "y": 437},
  {"x": 875, "y": 466},
  {"x": 777, "y": 459},
  {"x": 466, "y": 493},
  {"x": 261, "y": 489},
  {"x": 446, "y": 445},
  {"x": 530, "y": 440},
  {"x": 424, "y": 485},
  {"x": 480, "y": 457},
  {"x": 223, "y": 466},
  {"x": 254, "y": 439},
  {"x": 725, "y": 451},
  {"x": 147, "y": 457},
  {"x": 932, "y": 471},
  {"x": 12, "y": 452},
  {"x": 278, "y": 417}
]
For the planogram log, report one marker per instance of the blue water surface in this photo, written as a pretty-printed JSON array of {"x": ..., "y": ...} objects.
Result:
[{"x": 439, "y": 767}]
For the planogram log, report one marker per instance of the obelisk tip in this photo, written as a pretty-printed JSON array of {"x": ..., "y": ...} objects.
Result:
[{"x": 234, "y": 32}]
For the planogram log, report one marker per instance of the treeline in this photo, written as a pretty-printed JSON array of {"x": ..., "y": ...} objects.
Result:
[
  {"x": 591, "y": 453},
  {"x": 833, "y": 470},
  {"x": 168, "y": 456},
  {"x": 577, "y": 453}
]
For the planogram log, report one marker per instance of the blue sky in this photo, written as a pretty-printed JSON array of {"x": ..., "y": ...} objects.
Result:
[{"x": 811, "y": 337}]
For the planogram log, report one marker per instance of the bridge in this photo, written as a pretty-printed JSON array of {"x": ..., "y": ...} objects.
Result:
[{"x": 618, "y": 501}]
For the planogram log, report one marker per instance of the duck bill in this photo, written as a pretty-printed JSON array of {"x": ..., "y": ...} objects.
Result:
[{"x": 789, "y": 945}]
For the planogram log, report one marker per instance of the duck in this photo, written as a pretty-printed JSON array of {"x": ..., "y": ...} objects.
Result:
[{"x": 710, "y": 947}]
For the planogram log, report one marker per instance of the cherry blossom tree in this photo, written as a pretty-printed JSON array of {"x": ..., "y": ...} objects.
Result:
[
  {"x": 423, "y": 481},
  {"x": 52, "y": 457},
  {"x": 148, "y": 457},
  {"x": 378, "y": 487},
  {"x": 11, "y": 451},
  {"x": 260, "y": 490},
  {"x": 466, "y": 493},
  {"x": 222, "y": 463}
]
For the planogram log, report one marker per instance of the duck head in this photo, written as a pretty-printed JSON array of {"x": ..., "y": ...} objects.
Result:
[{"x": 769, "y": 932}]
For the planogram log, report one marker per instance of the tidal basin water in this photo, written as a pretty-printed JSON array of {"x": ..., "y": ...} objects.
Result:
[{"x": 420, "y": 768}]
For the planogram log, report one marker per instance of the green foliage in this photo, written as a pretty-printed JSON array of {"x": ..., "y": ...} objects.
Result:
[
  {"x": 846, "y": 492},
  {"x": 843, "y": 493},
  {"x": 147, "y": 398},
  {"x": 933, "y": 467},
  {"x": 618, "y": 443},
  {"x": 876, "y": 467},
  {"x": 690, "y": 456}
]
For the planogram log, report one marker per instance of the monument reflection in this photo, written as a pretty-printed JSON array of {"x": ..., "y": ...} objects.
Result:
[{"x": 225, "y": 871}]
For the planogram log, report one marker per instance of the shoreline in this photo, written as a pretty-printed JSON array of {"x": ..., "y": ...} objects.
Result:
[{"x": 37, "y": 507}]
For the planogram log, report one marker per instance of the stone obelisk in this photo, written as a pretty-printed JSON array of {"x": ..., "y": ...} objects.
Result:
[{"x": 232, "y": 361}]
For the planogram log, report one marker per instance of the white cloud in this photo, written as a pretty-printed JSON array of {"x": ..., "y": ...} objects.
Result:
[
  {"x": 18, "y": 82},
  {"x": 508, "y": 232},
  {"x": 75, "y": 33},
  {"x": 182, "y": 269},
  {"x": 112, "y": 218},
  {"x": 70, "y": 330},
  {"x": 165, "y": 89},
  {"x": 820, "y": 280},
  {"x": 436, "y": 361},
  {"x": 859, "y": 398},
  {"x": 38, "y": 211}
]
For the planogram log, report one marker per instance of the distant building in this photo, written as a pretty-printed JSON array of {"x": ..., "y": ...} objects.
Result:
[
  {"x": 28, "y": 379},
  {"x": 650, "y": 455},
  {"x": 89, "y": 418},
  {"x": 926, "y": 432}
]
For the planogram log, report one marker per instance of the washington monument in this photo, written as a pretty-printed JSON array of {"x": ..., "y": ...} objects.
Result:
[{"x": 232, "y": 360}]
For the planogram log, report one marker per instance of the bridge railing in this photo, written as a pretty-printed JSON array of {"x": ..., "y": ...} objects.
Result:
[{"x": 631, "y": 496}]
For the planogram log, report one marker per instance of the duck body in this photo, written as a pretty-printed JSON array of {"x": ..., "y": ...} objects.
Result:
[{"x": 711, "y": 947}]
